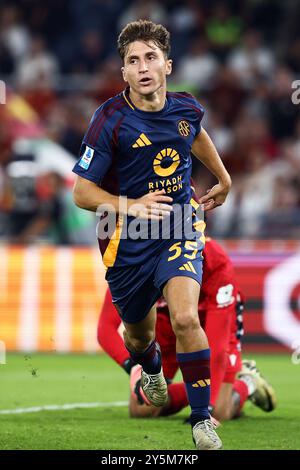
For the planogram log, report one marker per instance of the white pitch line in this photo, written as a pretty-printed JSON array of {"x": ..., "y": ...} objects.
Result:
[{"x": 67, "y": 406}]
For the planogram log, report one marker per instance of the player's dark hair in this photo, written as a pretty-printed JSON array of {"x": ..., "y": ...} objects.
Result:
[{"x": 144, "y": 30}]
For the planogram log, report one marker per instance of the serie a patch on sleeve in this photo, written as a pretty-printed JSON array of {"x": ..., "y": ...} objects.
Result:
[{"x": 86, "y": 158}]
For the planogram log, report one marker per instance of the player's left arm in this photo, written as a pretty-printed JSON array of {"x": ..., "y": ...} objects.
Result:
[{"x": 205, "y": 151}]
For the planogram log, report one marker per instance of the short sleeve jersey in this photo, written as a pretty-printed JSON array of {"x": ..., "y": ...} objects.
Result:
[{"x": 130, "y": 152}]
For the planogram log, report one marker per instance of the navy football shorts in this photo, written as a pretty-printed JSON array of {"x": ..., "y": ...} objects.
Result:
[{"x": 136, "y": 288}]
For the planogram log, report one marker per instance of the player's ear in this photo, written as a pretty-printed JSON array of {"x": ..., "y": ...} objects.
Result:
[
  {"x": 123, "y": 73},
  {"x": 169, "y": 64}
]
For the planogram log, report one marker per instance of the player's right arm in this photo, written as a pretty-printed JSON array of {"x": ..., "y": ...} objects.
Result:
[
  {"x": 88, "y": 195},
  {"x": 99, "y": 145}
]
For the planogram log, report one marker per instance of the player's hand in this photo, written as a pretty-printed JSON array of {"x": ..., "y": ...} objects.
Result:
[
  {"x": 155, "y": 206},
  {"x": 215, "y": 196}
]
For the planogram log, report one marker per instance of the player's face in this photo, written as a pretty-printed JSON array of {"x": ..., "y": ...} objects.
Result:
[{"x": 145, "y": 67}]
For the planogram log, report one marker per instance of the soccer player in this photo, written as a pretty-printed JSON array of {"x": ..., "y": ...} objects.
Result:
[
  {"x": 220, "y": 312},
  {"x": 142, "y": 139}
]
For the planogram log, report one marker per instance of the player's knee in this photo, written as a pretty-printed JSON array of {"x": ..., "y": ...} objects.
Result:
[
  {"x": 140, "y": 343},
  {"x": 183, "y": 322}
]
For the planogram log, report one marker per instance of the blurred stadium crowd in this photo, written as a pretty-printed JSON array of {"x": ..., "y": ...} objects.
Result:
[{"x": 58, "y": 60}]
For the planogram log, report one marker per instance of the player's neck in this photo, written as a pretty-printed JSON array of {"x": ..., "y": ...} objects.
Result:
[{"x": 151, "y": 103}]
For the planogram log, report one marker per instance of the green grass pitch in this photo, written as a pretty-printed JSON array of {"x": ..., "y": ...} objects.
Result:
[{"x": 45, "y": 379}]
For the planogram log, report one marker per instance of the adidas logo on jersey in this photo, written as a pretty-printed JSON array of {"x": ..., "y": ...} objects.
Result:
[
  {"x": 142, "y": 141},
  {"x": 188, "y": 267}
]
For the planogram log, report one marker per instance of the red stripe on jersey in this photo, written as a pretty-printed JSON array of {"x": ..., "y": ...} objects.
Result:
[
  {"x": 93, "y": 128},
  {"x": 109, "y": 111},
  {"x": 110, "y": 182},
  {"x": 96, "y": 127},
  {"x": 183, "y": 93},
  {"x": 115, "y": 134},
  {"x": 180, "y": 95}
]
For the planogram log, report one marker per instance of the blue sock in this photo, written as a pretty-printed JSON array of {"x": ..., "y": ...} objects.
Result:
[
  {"x": 150, "y": 360},
  {"x": 195, "y": 368}
]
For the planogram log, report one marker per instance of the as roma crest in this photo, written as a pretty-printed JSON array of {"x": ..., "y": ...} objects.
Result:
[{"x": 184, "y": 128}]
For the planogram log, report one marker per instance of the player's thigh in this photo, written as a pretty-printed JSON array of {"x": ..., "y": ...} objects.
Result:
[
  {"x": 133, "y": 291},
  {"x": 182, "y": 294}
]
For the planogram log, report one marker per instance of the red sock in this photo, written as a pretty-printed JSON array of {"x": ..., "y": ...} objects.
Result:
[
  {"x": 242, "y": 390},
  {"x": 178, "y": 399}
]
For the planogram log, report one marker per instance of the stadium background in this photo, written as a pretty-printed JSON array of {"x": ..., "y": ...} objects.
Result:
[{"x": 57, "y": 64}]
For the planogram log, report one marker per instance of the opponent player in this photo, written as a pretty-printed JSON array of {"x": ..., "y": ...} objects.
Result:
[
  {"x": 220, "y": 311},
  {"x": 143, "y": 138}
]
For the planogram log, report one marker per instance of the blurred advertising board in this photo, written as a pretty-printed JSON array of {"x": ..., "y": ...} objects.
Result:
[{"x": 50, "y": 297}]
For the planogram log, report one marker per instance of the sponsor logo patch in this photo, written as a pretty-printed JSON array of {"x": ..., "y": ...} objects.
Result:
[{"x": 86, "y": 158}]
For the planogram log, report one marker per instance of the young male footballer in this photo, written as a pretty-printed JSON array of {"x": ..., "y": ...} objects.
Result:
[{"x": 136, "y": 162}]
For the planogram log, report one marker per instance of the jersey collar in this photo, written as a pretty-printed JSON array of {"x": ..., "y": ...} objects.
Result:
[{"x": 148, "y": 114}]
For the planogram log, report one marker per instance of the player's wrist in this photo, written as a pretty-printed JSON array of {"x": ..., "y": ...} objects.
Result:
[
  {"x": 225, "y": 181},
  {"x": 130, "y": 206}
]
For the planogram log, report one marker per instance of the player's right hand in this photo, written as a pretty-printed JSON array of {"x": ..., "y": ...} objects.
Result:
[{"x": 154, "y": 206}]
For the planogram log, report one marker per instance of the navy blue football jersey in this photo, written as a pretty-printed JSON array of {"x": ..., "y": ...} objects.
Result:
[{"x": 130, "y": 152}]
